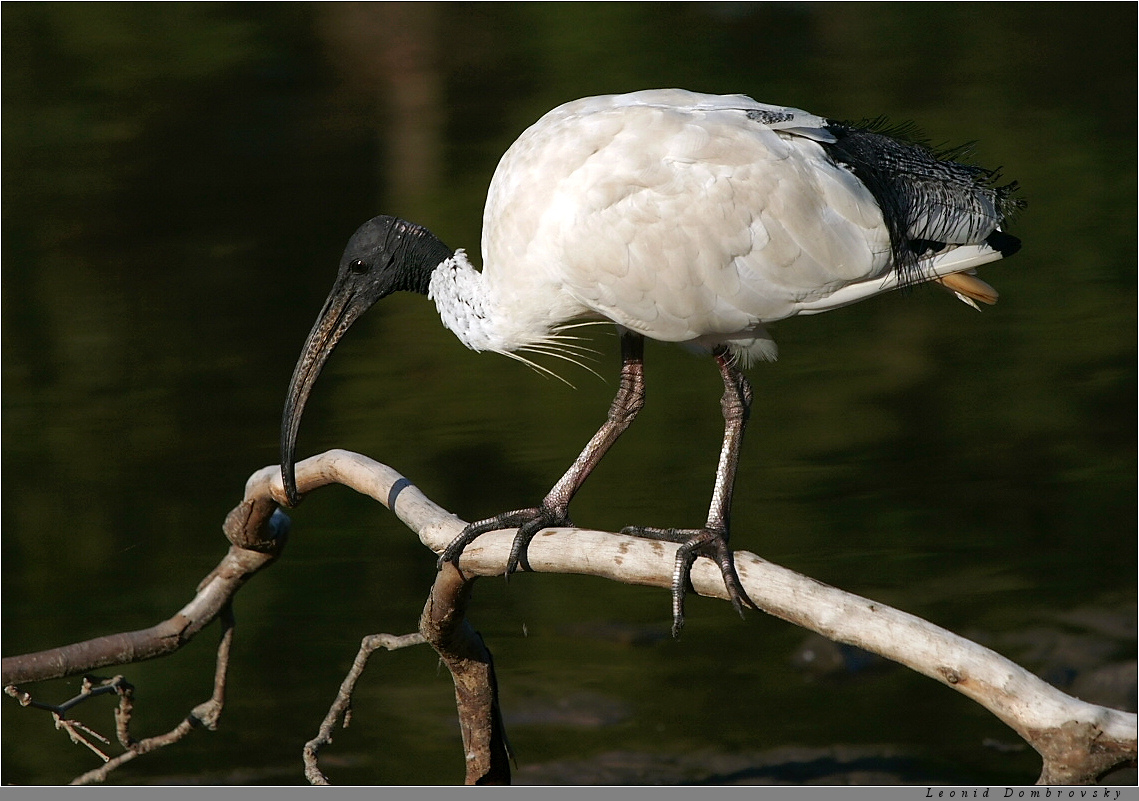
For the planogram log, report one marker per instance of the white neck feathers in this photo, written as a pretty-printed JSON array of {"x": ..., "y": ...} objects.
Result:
[{"x": 462, "y": 297}]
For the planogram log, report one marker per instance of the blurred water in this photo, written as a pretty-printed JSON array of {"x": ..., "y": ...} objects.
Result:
[{"x": 178, "y": 183}]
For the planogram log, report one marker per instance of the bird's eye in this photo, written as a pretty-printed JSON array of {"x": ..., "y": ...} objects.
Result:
[{"x": 358, "y": 266}]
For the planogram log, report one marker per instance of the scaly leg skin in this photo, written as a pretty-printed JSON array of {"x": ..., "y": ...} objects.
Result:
[
  {"x": 554, "y": 509},
  {"x": 712, "y": 539}
]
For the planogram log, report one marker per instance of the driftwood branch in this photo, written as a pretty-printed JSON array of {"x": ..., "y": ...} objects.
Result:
[
  {"x": 204, "y": 715},
  {"x": 257, "y": 531},
  {"x": 1078, "y": 741}
]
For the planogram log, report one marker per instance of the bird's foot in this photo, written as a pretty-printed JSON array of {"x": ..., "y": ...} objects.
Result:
[
  {"x": 528, "y": 522},
  {"x": 709, "y": 542}
]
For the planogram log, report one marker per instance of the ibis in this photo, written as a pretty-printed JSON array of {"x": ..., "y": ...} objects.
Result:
[{"x": 690, "y": 218}]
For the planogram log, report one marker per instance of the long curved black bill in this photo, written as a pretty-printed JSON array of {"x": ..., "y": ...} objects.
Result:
[
  {"x": 385, "y": 255},
  {"x": 345, "y": 303}
]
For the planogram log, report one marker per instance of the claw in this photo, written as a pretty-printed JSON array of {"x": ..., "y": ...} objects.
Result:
[
  {"x": 528, "y": 522},
  {"x": 693, "y": 543}
]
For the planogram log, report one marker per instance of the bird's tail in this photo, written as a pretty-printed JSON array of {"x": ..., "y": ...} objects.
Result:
[{"x": 930, "y": 199}]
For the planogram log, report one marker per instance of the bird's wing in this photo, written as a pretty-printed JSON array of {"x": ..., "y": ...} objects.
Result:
[
  {"x": 685, "y": 217},
  {"x": 680, "y": 220},
  {"x": 779, "y": 118}
]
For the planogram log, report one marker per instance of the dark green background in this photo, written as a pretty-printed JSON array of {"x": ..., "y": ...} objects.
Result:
[{"x": 178, "y": 183}]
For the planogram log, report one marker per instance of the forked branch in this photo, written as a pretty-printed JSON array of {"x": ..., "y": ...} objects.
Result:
[
  {"x": 341, "y": 709},
  {"x": 1078, "y": 741}
]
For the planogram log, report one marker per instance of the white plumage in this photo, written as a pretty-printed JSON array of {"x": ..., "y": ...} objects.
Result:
[
  {"x": 677, "y": 216},
  {"x": 681, "y": 217}
]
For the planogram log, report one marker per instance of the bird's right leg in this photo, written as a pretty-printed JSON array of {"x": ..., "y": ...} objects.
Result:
[
  {"x": 554, "y": 508},
  {"x": 712, "y": 539}
]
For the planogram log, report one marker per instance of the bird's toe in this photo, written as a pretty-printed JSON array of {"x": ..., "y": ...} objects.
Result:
[
  {"x": 709, "y": 542},
  {"x": 528, "y": 523}
]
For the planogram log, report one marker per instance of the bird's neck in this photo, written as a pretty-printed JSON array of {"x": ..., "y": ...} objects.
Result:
[{"x": 463, "y": 299}]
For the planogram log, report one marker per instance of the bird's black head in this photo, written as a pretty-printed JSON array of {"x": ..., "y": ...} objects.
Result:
[{"x": 385, "y": 255}]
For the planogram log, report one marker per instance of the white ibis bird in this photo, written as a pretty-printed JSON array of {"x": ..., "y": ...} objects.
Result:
[{"x": 683, "y": 217}]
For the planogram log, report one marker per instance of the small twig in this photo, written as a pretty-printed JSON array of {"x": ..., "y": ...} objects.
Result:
[
  {"x": 92, "y": 687},
  {"x": 73, "y": 729},
  {"x": 88, "y": 690},
  {"x": 204, "y": 715},
  {"x": 342, "y": 706}
]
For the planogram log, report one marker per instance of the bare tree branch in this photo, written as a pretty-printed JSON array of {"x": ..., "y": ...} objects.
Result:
[
  {"x": 342, "y": 707},
  {"x": 204, "y": 715},
  {"x": 444, "y": 625},
  {"x": 1078, "y": 741},
  {"x": 77, "y": 731},
  {"x": 258, "y": 530}
]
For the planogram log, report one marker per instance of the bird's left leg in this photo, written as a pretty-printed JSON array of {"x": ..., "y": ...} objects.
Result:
[
  {"x": 554, "y": 508},
  {"x": 712, "y": 540}
]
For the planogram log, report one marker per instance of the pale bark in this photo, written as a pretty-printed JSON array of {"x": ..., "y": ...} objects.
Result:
[{"x": 1078, "y": 741}]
